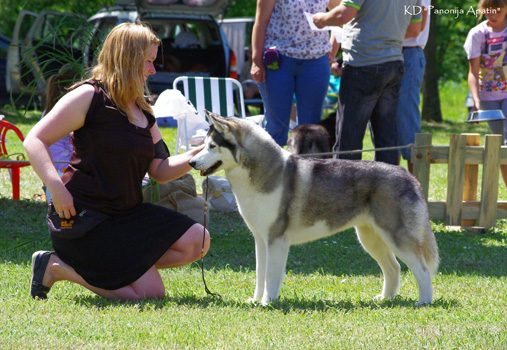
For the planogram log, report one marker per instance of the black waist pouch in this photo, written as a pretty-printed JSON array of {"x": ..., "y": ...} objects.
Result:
[{"x": 75, "y": 227}]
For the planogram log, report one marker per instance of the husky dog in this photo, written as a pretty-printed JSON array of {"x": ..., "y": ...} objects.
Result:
[
  {"x": 313, "y": 138},
  {"x": 309, "y": 139},
  {"x": 286, "y": 199}
]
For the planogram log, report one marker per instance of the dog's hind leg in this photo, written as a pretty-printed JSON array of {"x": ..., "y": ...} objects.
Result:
[
  {"x": 378, "y": 249},
  {"x": 277, "y": 253},
  {"x": 412, "y": 255},
  {"x": 260, "y": 268}
]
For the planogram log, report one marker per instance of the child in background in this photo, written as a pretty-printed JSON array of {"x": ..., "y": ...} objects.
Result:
[
  {"x": 57, "y": 86},
  {"x": 334, "y": 82},
  {"x": 486, "y": 47}
]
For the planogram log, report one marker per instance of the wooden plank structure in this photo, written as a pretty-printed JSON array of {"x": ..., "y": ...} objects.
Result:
[{"x": 463, "y": 157}]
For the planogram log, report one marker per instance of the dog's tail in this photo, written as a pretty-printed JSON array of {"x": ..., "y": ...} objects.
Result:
[{"x": 430, "y": 250}]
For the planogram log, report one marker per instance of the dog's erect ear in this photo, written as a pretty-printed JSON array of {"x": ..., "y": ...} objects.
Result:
[{"x": 220, "y": 123}]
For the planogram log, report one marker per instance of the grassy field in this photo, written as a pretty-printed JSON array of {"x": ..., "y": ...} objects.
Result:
[{"x": 326, "y": 301}]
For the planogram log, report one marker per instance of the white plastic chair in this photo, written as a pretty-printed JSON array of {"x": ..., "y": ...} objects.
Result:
[
  {"x": 215, "y": 95},
  {"x": 192, "y": 127}
]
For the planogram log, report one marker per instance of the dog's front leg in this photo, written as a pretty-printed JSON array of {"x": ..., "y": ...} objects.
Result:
[
  {"x": 260, "y": 267},
  {"x": 278, "y": 251}
]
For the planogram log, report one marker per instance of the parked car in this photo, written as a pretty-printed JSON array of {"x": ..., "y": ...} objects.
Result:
[
  {"x": 41, "y": 44},
  {"x": 4, "y": 44},
  {"x": 192, "y": 41}
]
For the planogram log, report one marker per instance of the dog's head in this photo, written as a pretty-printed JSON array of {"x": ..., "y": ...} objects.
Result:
[{"x": 221, "y": 146}]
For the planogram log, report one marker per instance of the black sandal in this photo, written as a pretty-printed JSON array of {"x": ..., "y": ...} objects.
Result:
[{"x": 40, "y": 260}]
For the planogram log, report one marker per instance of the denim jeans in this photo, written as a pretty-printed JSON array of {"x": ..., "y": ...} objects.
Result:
[
  {"x": 497, "y": 126},
  {"x": 369, "y": 94},
  {"x": 408, "y": 116},
  {"x": 308, "y": 79}
]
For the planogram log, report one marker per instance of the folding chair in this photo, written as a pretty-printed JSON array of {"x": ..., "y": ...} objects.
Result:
[
  {"x": 215, "y": 95},
  {"x": 13, "y": 165},
  {"x": 256, "y": 102}
]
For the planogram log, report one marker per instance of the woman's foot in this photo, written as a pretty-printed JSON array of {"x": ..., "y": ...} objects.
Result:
[{"x": 40, "y": 260}]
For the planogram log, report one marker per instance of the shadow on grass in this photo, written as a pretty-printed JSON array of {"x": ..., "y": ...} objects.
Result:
[
  {"x": 341, "y": 254},
  {"x": 23, "y": 231},
  {"x": 286, "y": 305},
  {"x": 202, "y": 301}
]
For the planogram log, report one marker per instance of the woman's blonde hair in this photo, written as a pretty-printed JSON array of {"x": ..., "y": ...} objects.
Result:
[
  {"x": 120, "y": 65},
  {"x": 490, "y": 4}
]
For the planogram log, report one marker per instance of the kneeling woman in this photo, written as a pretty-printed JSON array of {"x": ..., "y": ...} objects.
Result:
[{"x": 116, "y": 140}]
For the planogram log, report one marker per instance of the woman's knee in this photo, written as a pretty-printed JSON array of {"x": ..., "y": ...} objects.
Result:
[
  {"x": 139, "y": 290},
  {"x": 148, "y": 286},
  {"x": 200, "y": 239},
  {"x": 194, "y": 242}
]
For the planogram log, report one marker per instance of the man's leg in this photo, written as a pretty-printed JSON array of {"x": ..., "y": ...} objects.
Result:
[
  {"x": 383, "y": 119},
  {"x": 359, "y": 93},
  {"x": 408, "y": 114}
]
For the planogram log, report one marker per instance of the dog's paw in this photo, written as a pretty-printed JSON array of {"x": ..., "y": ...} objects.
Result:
[
  {"x": 379, "y": 297},
  {"x": 252, "y": 301},
  {"x": 423, "y": 303},
  {"x": 266, "y": 301}
]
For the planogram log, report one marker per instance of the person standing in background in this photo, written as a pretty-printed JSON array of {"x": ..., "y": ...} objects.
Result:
[
  {"x": 300, "y": 62},
  {"x": 373, "y": 33},
  {"x": 486, "y": 48},
  {"x": 408, "y": 114}
]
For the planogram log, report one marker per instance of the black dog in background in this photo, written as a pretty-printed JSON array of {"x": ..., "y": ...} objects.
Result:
[{"x": 313, "y": 138}]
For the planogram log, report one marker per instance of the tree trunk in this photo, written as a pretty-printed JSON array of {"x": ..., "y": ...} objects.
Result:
[{"x": 431, "y": 100}]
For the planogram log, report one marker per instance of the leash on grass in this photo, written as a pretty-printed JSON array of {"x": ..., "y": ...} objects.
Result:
[{"x": 203, "y": 240}]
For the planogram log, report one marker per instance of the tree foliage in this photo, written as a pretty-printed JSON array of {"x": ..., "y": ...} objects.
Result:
[
  {"x": 452, "y": 29},
  {"x": 10, "y": 8},
  {"x": 242, "y": 8},
  {"x": 446, "y": 59}
]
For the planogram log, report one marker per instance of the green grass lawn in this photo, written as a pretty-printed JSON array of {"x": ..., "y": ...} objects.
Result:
[{"x": 326, "y": 301}]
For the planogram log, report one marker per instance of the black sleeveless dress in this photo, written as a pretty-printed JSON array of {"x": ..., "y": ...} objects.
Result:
[{"x": 110, "y": 158}]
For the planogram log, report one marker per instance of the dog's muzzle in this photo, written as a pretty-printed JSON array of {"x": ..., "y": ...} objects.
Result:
[{"x": 209, "y": 171}]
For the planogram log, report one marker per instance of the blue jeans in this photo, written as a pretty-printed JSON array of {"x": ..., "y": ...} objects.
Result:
[
  {"x": 497, "y": 126},
  {"x": 408, "y": 115},
  {"x": 308, "y": 79},
  {"x": 369, "y": 94}
]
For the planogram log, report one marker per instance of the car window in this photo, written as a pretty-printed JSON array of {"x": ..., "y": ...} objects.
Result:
[
  {"x": 185, "y": 33},
  {"x": 105, "y": 27},
  {"x": 27, "y": 23}
]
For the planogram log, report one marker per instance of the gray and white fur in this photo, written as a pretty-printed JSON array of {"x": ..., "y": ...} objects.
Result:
[{"x": 286, "y": 199}]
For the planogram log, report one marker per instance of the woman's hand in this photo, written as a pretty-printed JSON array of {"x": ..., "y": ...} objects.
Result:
[
  {"x": 196, "y": 150},
  {"x": 63, "y": 202},
  {"x": 258, "y": 72}
]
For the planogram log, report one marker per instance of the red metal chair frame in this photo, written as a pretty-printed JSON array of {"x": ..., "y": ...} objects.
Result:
[{"x": 12, "y": 164}]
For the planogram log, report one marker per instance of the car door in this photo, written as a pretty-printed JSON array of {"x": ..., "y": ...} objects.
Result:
[
  {"x": 37, "y": 54},
  {"x": 13, "y": 72}
]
